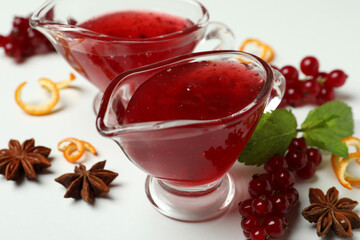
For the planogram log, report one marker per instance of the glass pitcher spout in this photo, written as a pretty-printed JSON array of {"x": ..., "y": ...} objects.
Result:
[
  {"x": 44, "y": 21},
  {"x": 61, "y": 30}
]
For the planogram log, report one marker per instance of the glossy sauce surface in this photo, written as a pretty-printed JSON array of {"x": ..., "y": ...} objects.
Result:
[
  {"x": 136, "y": 24},
  {"x": 199, "y": 91}
]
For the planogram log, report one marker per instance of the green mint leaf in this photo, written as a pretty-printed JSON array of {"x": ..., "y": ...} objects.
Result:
[
  {"x": 272, "y": 135},
  {"x": 328, "y": 143},
  {"x": 326, "y": 125}
]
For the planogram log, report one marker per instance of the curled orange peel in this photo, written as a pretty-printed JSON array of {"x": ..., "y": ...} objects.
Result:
[
  {"x": 65, "y": 83},
  {"x": 89, "y": 147},
  {"x": 266, "y": 52},
  {"x": 43, "y": 108},
  {"x": 75, "y": 149},
  {"x": 340, "y": 164},
  {"x": 269, "y": 54},
  {"x": 70, "y": 154}
]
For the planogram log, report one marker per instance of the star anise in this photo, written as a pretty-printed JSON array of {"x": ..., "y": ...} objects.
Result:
[
  {"x": 87, "y": 184},
  {"x": 329, "y": 212},
  {"x": 23, "y": 159}
]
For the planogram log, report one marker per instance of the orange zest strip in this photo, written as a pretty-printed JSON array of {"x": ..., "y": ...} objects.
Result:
[
  {"x": 354, "y": 141},
  {"x": 89, "y": 147},
  {"x": 269, "y": 54},
  {"x": 43, "y": 108},
  {"x": 266, "y": 52},
  {"x": 65, "y": 83},
  {"x": 335, "y": 161},
  {"x": 249, "y": 40},
  {"x": 70, "y": 154},
  {"x": 69, "y": 149},
  {"x": 341, "y": 171},
  {"x": 350, "y": 178},
  {"x": 75, "y": 149},
  {"x": 340, "y": 164}
]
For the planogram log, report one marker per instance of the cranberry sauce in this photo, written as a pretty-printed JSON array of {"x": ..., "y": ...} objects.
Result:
[
  {"x": 127, "y": 40},
  {"x": 201, "y": 152}
]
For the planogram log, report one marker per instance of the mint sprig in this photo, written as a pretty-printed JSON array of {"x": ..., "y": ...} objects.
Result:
[{"x": 323, "y": 128}]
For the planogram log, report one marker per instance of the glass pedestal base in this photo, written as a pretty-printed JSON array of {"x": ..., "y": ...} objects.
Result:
[{"x": 191, "y": 204}]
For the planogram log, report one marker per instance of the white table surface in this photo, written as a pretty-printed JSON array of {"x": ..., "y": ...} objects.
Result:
[{"x": 328, "y": 29}]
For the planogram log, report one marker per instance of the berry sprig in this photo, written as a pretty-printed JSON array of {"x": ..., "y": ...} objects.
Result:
[
  {"x": 23, "y": 41},
  {"x": 316, "y": 88},
  {"x": 273, "y": 194},
  {"x": 272, "y": 197}
]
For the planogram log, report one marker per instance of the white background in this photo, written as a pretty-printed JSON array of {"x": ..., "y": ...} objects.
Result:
[{"x": 328, "y": 29}]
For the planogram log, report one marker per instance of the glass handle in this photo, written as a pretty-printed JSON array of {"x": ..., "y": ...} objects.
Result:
[
  {"x": 277, "y": 92},
  {"x": 220, "y": 32}
]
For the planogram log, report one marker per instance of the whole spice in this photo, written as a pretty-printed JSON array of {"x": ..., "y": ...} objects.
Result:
[
  {"x": 330, "y": 212},
  {"x": 87, "y": 184},
  {"x": 23, "y": 159}
]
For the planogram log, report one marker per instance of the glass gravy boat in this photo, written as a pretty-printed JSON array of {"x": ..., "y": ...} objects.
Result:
[
  {"x": 100, "y": 58},
  {"x": 187, "y": 160}
]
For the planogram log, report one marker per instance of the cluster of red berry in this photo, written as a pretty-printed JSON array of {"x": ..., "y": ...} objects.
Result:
[
  {"x": 316, "y": 88},
  {"x": 272, "y": 196},
  {"x": 23, "y": 41},
  {"x": 272, "y": 193}
]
